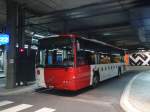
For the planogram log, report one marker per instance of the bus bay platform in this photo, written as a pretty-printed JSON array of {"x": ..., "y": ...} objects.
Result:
[
  {"x": 136, "y": 96},
  {"x": 18, "y": 90}
]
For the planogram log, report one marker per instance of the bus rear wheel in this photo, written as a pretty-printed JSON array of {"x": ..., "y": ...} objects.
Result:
[
  {"x": 95, "y": 81},
  {"x": 119, "y": 72}
]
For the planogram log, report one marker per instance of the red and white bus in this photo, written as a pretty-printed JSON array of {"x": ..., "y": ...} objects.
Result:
[{"x": 70, "y": 62}]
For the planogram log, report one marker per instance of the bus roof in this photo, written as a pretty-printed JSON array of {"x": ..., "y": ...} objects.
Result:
[{"x": 84, "y": 38}]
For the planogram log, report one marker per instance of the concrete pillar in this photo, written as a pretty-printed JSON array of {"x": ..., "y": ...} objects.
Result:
[
  {"x": 21, "y": 24},
  {"x": 11, "y": 48},
  {"x": 140, "y": 19}
]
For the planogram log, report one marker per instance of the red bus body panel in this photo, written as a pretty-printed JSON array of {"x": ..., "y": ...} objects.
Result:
[{"x": 68, "y": 78}]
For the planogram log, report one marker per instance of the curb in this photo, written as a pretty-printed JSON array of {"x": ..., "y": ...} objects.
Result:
[
  {"x": 18, "y": 90},
  {"x": 124, "y": 102}
]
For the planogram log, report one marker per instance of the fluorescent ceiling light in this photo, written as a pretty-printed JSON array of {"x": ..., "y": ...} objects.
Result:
[
  {"x": 33, "y": 39},
  {"x": 89, "y": 50},
  {"x": 17, "y": 45},
  {"x": 26, "y": 46},
  {"x": 34, "y": 47},
  {"x": 140, "y": 48},
  {"x": 107, "y": 34},
  {"x": 116, "y": 54},
  {"x": 125, "y": 49},
  {"x": 40, "y": 36},
  {"x": 53, "y": 36},
  {"x": 29, "y": 32}
]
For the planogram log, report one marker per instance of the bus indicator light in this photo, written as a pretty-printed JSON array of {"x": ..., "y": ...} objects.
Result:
[{"x": 21, "y": 50}]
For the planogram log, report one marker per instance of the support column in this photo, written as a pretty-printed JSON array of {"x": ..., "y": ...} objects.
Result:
[
  {"x": 11, "y": 48},
  {"x": 21, "y": 24}
]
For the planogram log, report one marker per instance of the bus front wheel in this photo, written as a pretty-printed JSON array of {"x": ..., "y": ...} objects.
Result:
[{"x": 95, "y": 81}]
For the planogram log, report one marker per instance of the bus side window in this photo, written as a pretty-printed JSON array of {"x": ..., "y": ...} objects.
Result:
[{"x": 81, "y": 58}]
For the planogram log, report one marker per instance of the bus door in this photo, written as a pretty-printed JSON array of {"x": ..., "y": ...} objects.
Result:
[{"x": 83, "y": 70}]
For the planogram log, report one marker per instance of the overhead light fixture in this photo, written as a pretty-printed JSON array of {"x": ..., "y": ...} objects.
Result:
[
  {"x": 29, "y": 32},
  {"x": 116, "y": 54},
  {"x": 89, "y": 50},
  {"x": 125, "y": 49},
  {"x": 53, "y": 36},
  {"x": 104, "y": 53},
  {"x": 17, "y": 45},
  {"x": 40, "y": 36},
  {"x": 140, "y": 48},
  {"x": 26, "y": 46},
  {"x": 107, "y": 34},
  {"x": 34, "y": 47}
]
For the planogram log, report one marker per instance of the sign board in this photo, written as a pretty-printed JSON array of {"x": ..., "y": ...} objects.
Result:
[{"x": 4, "y": 39}]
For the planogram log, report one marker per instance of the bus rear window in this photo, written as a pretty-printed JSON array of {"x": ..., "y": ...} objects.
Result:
[
  {"x": 56, "y": 57},
  {"x": 56, "y": 52}
]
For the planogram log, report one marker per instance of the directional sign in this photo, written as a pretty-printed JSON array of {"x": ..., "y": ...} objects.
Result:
[{"x": 4, "y": 39}]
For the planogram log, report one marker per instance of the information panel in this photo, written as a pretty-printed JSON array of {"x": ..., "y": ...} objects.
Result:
[{"x": 4, "y": 39}]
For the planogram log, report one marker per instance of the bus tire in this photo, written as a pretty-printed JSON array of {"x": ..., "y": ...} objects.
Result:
[
  {"x": 95, "y": 80},
  {"x": 119, "y": 72}
]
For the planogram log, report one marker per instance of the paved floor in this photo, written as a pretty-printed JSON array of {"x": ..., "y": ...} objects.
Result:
[
  {"x": 136, "y": 96},
  {"x": 2, "y": 74},
  {"x": 105, "y": 98},
  {"x": 2, "y": 79},
  {"x": 2, "y": 82}
]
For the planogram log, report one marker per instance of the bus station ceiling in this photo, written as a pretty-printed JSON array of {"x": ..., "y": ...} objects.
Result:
[{"x": 105, "y": 20}]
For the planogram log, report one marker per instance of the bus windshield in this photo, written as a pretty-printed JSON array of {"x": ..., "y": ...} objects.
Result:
[{"x": 55, "y": 52}]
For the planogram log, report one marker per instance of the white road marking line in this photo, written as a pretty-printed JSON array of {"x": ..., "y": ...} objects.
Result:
[
  {"x": 17, "y": 108},
  {"x": 3, "y": 103},
  {"x": 2, "y": 85},
  {"x": 124, "y": 102},
  {"x": 46, "y": 110}
]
